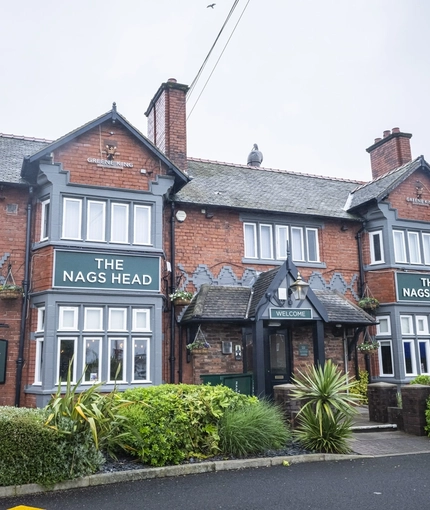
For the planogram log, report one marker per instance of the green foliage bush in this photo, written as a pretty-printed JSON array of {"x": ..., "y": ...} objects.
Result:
[
  {"x": 178, "y": 421},
  {"x": 359, "y": 387},
  {"x": 327, "y": 409},
  {"x": 421, "y": 379},
  {"x": 33, "y": 453},
  {"x": 252, "y": 429}
]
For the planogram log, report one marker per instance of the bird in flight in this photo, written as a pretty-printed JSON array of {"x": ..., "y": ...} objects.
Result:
[{"x": 211, "y": 6}]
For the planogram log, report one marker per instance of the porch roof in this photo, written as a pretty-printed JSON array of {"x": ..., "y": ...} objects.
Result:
[{"x": 342, "y": 310}]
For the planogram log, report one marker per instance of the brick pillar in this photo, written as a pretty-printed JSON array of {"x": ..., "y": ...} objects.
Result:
[
  {"x": 283, "y": 398},
  {"x": 414, "y": 402},
  {"x": 381, "y": 396}
]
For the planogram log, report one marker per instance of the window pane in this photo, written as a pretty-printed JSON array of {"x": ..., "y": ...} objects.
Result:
[
  {"x": 92, "y": 360},
  {"x": 40, "y": 319},
  {"x": 406, "y": 325},
  {"x": 426, "y": 247},
  {"x": 141, "y": 320},
  {"x": 119, "y": 223},
  {"x": 67, "y": 352},
  {"x": 96, "y": 221},
  {"x": 414, "y": 248},
  {"x": 408, "y": 351},
  {"x": 140, "y": 359},
  {"x": 385, "y": 358},
  {"x": 313, "y": 250},
  {"x": 250, "y": 240},
  {"x": 297, "y": 243},
  {"x": 142, "y": 225},
  {"x": 266, "y": 242},
  {"x": 93, "y": 319},
  {"x": 424, "y": 356},
  {"x": 72, "y": 218},
  {"x": 44, "y": 229},
  {"x": 117, "y": 319},
  {"x": 39, "y": 361},
  {"x": 117, "y": 359},
  {"x": 422, "y": 324},
  {"x": 68, "y": 318},
  {"x": 399, "y": 246},
  {"x": 281, "y": 242},
  {"x": 383, "y": 328},
  {"x": 376, "y": 249}
]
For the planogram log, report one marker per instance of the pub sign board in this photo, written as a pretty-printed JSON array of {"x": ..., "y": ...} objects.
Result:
[
  {"x": 94, "y": 270},
  {"x": 413, "y": 287}
]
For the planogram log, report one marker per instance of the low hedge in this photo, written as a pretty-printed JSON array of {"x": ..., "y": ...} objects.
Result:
[{"x": 33, "y": 453}]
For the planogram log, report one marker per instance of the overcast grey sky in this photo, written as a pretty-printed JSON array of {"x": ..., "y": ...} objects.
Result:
[{"x": 312, "y": 82}]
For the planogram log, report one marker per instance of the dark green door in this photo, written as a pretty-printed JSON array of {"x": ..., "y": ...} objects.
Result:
[{"x": 279, "y": 357}]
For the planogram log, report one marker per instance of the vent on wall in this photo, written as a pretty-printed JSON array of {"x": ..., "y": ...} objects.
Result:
[{"x": 11, "y": 208}]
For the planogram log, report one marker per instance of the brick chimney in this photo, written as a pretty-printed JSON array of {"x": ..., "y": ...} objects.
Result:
[
  {"x": 167, "y": 121},
  {"x": 390, "y": 152}
]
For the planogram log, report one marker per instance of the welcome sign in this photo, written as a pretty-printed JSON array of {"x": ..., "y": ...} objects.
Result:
[{"x": 93, "y": 270}]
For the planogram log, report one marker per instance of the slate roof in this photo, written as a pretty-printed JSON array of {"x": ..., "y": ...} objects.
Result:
[
  {"x": 218, "y": 303},
  {"x": 380, "y": 187},
  {"x": 256, "y": 188},
  {"x": 342, "y": 310},
  {"x": 13, "y": 149},
  {"x": 260, "y": 288}
]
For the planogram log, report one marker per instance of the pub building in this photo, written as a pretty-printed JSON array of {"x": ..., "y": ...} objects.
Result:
[{"x": 102, "y": 225}]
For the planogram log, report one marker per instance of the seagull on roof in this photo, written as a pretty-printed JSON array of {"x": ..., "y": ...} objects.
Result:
[{"x": 211, "y": 6}]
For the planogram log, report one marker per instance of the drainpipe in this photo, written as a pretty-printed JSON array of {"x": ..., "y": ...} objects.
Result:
[
  {"x": 360, "y": 260},
  {"x": 25, "y": 285},
  {"x": 173, "y": 287}
]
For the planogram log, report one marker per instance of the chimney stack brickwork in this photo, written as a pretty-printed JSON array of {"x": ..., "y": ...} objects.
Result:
[
  {"x": 390, "y": 152},
  {"x": 167, "y": 121}
]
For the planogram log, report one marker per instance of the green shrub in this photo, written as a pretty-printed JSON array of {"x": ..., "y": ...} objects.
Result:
[
  {"x": 427, "y": 427},
  {"x": 252, "y": 429},
  {"x": 359, "y": 387},
  {"x": 33, "y": 453},
  {"x": 178, "y": 421},
  {"x": 327, "y": 407},
  {"x": 421, "y": 379}
]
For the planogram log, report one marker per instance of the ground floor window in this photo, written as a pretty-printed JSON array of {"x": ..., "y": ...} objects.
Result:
[
  {"x": 386, "y": 358},
  {"x": 105, "y": 355}
]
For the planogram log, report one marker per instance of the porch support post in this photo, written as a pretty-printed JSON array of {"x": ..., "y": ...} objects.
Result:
[
  {"x": 318, "y": 339},
  {"x": 258, "y": 359}
]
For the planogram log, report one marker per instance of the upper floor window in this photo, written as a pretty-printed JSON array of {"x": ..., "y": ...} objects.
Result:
[
  {"x": 267, "y": 241},
  {"x": 44, "y": 219},
  {"x": 106, "y": 221},
  {"x": 411, "y": 247},
  {"x": 399, "y": 246},
  {"x": 376, "y": 247}
]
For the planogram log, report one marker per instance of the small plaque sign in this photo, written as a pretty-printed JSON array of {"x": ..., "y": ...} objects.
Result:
[
  {"x": 303, "y": 350},
  {"x": 291, "y": 313}
]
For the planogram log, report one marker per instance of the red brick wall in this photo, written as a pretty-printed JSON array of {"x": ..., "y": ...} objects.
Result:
[
  {"x": 12, "y": 240},
  {"x": 407, "y": 209}
]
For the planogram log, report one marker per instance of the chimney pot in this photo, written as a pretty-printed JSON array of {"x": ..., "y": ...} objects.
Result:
[
  {"x": 387, "y": 133},
  {"x": 377, "y": 140},
  {"x": 395, "y": 130},
  {"x": 172, "y": 80}
]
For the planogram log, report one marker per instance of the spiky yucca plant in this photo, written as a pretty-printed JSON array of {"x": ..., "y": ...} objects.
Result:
[{"x": 327, "y": 408}]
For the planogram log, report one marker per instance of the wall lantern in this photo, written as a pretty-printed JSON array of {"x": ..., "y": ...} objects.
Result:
[{"x": 299, "y": 288}]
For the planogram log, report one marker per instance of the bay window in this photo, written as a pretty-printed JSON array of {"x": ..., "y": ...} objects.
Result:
[{"x": 376, "y": 247}]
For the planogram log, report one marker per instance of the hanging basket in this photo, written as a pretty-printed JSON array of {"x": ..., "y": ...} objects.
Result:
[
  {"x": 181, "y": 302},
  {"x": 10, "y": 293}
]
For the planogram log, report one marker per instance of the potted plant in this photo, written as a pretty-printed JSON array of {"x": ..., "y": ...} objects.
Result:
[
  {"x": 368, "y": 303},
  {"x": 368, "y": 347},
  {"x": 181, "y": 297},
  {"x": 10, "y": 291}
]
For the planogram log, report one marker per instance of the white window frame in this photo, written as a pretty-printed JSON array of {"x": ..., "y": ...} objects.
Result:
[
  {"x": 372, "y": 236},
  {"x": 124, "y": 318},
  {"x": 75, "y": 342},
  {"x": 384, "y": 343},
  {"x": 38, "y": 360},
  {"x": 386, "y": 320},
  {"x": 294, "y": 245},
  {"x": 86, "y": 339},
  {"x": 425, "y": 341},
  {"x": 424, "y": 321},
  {"x": 77, "y": 221},
  {"x": 282, "y": 251},
  {"x": 426, "y": 248},
  {"x": 135, "y": 313},
  {"x": 411, "y": 342},
  {"x": 399, "y": 250},
  {"x": 101, "y": 239},
  {"x": 146, "y": 239},
  {"x": 251, "y": 228},
  {"x": 111, "y": 377},
  {"x": 140, "y": 339},
  {"x": 44, "y": 219},
  {"x": 269, "y": 228},
  {"x": 100, "y": 325},
  {"x": 125, "y": 239},
  {"x": 61, "y": 325},
  {"x": 409, "y": 330},
  {"x": 317, "y": 247},
  {"x": 40, "y": 326},
  {"x": 414, "y": 240}
]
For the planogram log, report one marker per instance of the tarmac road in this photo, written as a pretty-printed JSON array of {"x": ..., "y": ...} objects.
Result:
[{"x": 382, "y": 483}]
